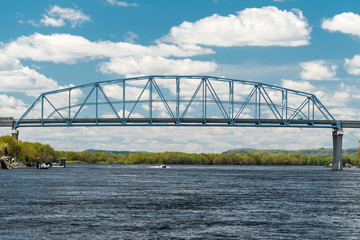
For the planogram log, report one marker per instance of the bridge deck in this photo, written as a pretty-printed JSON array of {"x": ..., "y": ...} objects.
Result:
[
  {"x": 171, "y": 121},
  {"x": 349, "y": 124},
  {"x": 9, "y": 122}
]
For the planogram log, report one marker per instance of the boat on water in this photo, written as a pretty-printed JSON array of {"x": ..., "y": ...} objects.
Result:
[
  {"x": 61, "y": 164},
  {"x": 44, "y": 166},
  {"x": 163, "y": 166},
  {"x": 57, "y": 165}
]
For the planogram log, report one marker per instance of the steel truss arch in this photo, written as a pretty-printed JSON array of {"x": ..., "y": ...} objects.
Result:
[{"x": 164, "y": 100}]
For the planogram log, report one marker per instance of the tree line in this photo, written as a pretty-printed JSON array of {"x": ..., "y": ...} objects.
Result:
[{"x": 28, "y": 153}]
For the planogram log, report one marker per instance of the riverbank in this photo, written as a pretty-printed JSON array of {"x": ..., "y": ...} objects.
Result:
[
  {"x": 27, "y": 152},
  {"x": 204, "y": 158},
  {"x": 8, "y": 163}
]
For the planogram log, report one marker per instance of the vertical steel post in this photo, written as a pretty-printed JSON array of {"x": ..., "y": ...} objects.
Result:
[
  {"x": 256, "y": 98},
  {"x": 337, "y": 149},
  {"x": 286, "y": 107},
  {"x": 313, "y": 110},
  {"x": 96, "y": 103},
  {"x": 150, "y": 100},
  {"x": 69, "y": 105},
  {"x": 259, "y": 101},
  {"x": 229, "y": 109},
  {"x": 177, "y": 99},
  {"x": 308, "y": 108},
  {"x": 282, "y": 104},
  {"x": 204, "y": 99},
  {"x": 123, "y": 107},
  {"x": 232, "y": 100},
  {"x": 42, "y": 109}
]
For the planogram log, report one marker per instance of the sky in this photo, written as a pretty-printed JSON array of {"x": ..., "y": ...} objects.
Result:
[{"x": 311, "y": 46}]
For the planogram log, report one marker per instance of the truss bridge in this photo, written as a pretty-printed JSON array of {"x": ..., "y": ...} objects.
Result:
[{"x": 182, "y": 101}]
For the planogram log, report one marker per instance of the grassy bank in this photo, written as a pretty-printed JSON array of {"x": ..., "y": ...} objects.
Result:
[
  {"x": 28, "y": 153},
  {"x": 203, "y": 158}
]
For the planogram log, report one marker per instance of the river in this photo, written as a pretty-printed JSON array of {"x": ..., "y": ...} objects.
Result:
[{"x": 180, "y": 202}]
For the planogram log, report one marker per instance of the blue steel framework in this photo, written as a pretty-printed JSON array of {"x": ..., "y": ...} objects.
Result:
[{"x": 159, "y": 101}]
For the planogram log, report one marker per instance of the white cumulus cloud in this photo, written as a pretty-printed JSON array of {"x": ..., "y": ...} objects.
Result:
[
  {"x": 347, "y": 113},
  {"x": 56, "y": 17},
  {"x": 14, "y": 77},
  {"x": 66, "y": 48},
  {"x": 347, "y": 22},
  {"x": 266, "y": 26},
  {"x": 352, "y": 66},
  {"x": 121, "y": 3},
  {"x": 130, "y": 37},
  {"x": 298, "y": 85},
  {"x": 125, "y": 58},
  {"x": 11, "y": 107},
  {"x": 148, "y": 65},
  {"x": 318, "y": 70}
]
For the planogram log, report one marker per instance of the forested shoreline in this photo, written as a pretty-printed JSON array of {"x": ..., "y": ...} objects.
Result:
[{"x": 28, "y": 153}]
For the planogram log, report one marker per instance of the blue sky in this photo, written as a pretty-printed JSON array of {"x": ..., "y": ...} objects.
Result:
[{"x": 311, "y": 46}]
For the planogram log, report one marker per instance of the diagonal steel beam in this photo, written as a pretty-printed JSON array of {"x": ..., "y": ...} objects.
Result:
[
  {"x": 270, "y": 103},
  {"x": 55, "y": 109},
  {"x": 191, "y": 100},
  {"x": 83, "y": 104},
  {"x": 217, "y": 99},
  {"x": 108, "y": 101},
  {"x": 298, "y": 110},
  {"x": 136, "y": 102},
  {"x": 241, "y": 109},
  {"x": 163, "y": 100}
]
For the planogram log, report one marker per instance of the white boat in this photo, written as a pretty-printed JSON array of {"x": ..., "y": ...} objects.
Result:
[
  {"x": 57, "y": 165},
  {"x": 44, "y": 166},
  {"x": 163, "y": 166}
]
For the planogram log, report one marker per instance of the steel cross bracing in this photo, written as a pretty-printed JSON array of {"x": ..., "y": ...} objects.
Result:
[{"x": 177, "y": 101}]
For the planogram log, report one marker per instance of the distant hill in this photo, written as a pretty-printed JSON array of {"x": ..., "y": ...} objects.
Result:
[
  {"x": 320, "y": 151},
  {"x": 108, "y": 151}
]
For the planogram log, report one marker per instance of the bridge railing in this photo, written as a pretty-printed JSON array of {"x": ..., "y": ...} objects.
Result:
[{"x": 177, "y": 101}]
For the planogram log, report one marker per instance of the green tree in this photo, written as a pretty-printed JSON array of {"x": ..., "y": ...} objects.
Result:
[{"x": 13, "y": 146}]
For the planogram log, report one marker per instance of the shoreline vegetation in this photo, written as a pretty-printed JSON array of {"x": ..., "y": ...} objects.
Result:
[{"x": 27, "y": 153}]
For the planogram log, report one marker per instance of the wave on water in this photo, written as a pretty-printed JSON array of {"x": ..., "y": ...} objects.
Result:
[{"x": 160, "y": 166}]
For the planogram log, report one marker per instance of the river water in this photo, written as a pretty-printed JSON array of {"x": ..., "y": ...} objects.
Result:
[{"x": 180, "y": 202}]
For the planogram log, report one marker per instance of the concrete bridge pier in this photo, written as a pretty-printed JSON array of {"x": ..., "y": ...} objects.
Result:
[
  {"x": 337, "y": 150},
  {"x": 15, "y": 134}
]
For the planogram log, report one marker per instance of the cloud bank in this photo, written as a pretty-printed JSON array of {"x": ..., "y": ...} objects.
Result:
[
  {"x": 318, "y": 70},
  {"x": 57, "y": 16},
  {"x": 347, "y": 22},
  {"x": 121, "y": 3},
  {"x": 67, "y": 48},
  {"x": 125, "y": 58},
  {"x": 352, "y": 66},
  {"x": 266, "y": 26},
  {"x": 14, "y": 77}
]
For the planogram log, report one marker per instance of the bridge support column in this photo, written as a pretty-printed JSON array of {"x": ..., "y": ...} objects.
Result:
[
  {"x": 337, "y": 150},
  {"x": 15, "y": 134}
]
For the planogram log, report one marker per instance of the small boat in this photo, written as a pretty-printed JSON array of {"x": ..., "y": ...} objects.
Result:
[
  {"x": 57, "y": 165},
  {"x": 163, "y": 166},
  {"x": 44, "y": 166}
]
